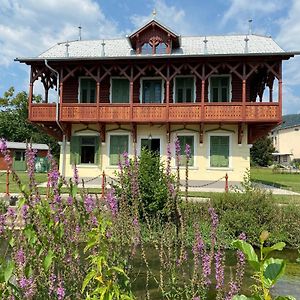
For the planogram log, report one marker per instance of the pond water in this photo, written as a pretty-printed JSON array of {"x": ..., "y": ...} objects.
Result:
[{"x": 288, "y": 285}]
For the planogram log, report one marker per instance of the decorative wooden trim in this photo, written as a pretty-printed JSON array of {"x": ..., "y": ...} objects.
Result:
[
  {"x": 134, "y": 132},
  {"x": 201, "y": 134},
  {"x": 240, "y": 133}
]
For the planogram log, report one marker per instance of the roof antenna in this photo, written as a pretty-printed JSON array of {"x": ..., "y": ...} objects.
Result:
[
  {"x": 103, "y": 49},
  {"x": 154, "y": 14},
  {"x": 250, "y": 26},
  {"x": 67, "y": 48},
  {"x": 79, "y": 31},
  {"x": 205, "y": 45}
]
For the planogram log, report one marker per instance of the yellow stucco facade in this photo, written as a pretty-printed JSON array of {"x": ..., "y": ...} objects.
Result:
[{"x": 239, "y": 154}]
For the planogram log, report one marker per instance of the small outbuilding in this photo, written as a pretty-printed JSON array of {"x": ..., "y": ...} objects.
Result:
[{"x": 17, "y": 151}]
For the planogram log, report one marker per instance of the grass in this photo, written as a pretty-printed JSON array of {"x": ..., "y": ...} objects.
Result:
[{"x": 285, "y": 181}]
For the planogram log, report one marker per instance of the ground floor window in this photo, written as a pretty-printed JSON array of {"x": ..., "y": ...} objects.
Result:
[
  {"x": 84, "y": 150},
  {"x": 118, "y": 144},
  {"x": 152, "y": 144},
  {"x": 219, "y": 151},
  {"x": 183, "y": 141}
]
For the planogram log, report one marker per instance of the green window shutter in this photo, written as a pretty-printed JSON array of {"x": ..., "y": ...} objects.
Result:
[
  {"x": 184, "y": 89},
  {"x": 152, "y": 91},
  {"x": 87, "y": 90},
  {"x": 219, "y": 151},
  {"x": 120, "y": 91},
  {"x": 183, "y": 141},
  {"x": 97, "y": 150},
  {"x": 219, "y": 89},
  {"x": 75, "y": 150},
  {"x": 118, "y": 145}
]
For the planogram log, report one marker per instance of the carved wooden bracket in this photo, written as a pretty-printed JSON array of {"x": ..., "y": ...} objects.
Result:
[
  {"x": 201, "y": 133},
  {"x": 134, "y": 132},
  {"x": 240, "y": 133}
]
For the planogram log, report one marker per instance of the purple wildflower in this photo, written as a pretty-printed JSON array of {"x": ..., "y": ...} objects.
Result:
[
  {"x": 187, "y": 151},
  {"x": 2, "y": 224},
  {"x": 169, "y": 157},
  {"x": 177, "y": 151},
  {"x": 24, "y": 211},
  {"x": 20, "y": 257},
  {"x": 214, "y": 223},
  {"x": 206, "y": 268},
  {"x": 198, "y": 246},
  {"x": 233, "y": 290},
  {"x": 89, "y": 203},
  {"x": 112, "y": 202},
  {"x": 126, "y": 160},
  {"x": 70, "y": 200},
  {"x": 27, "y": 285},
  {"x": 241, "y": 261},
  {"x": 30, "y": 158},
  {"x": 3, "y": 146},
  {"x": 57, "y": 199},
  {"x": 75, "y": 175},
  {"x": 11, "y": 212},
  {"x": 52, "y": 280},
  {"x": 219, "y": 265},
  {"x": 94, "y": 221},
  {"x": 60, "y": 291},
  {"x": 196, "y": 298},
  {"x": 77, "y": 229}
]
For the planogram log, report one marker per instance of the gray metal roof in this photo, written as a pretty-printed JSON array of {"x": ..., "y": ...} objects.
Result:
[
  {"x": 190, "y": 46},
  {"x": 22, "y": 146},
  {"x": 288, "y": 121}
]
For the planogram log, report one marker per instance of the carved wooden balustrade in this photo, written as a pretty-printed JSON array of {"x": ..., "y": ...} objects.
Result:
[{"x": 159, "y": 113}]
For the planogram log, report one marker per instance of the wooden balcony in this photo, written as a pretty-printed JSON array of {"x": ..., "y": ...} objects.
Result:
[{"x": 159, "y": 113}]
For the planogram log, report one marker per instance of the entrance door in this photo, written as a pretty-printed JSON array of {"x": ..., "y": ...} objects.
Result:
[
  {"x": 19, "y": 162},
  {"x": 151, "y": 144}
]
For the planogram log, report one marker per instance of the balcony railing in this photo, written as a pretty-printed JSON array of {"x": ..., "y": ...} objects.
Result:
[{"x": 145, "y": 113}]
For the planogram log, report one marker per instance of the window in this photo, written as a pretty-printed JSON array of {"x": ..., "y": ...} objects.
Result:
[
  {"x": 119, "y": 90},
  {"x": 184, "y": 89},
  {"x": 151, "y": 90},
  {"x": 219, "y": 151},
  {"x": 183, "y": 141},
  {"x": 151, "y": 144},
  {"x": 87, "y": 90},
  {"x": 84, "y": 150},
  {"x": 19, "y": 155},
  {"x": 117, "y": 146},
  {"x": 147, "y": 49},
  {"x": 220, "y": 89}
]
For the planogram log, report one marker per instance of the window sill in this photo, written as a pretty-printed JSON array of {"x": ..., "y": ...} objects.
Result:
[
  {"x": 219, "y": 169},
  {"x": 87, "y": 166},
  {"x": 183, "y": 168}
]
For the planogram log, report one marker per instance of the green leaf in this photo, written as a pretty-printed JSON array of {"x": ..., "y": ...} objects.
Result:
[
  {"x": 248, "y": 250},
  {"x": 8, "y": 271},
  {"x": 243, "y": 297},
  {"x": 87, "y": 279},
  {"x": 279, "y": 246},
  {"x": 12, "y": 241},
  {"x": 285, "y": 298},
  {"x": 48, "y": 260},
  {"x": 273, "y": 270}
]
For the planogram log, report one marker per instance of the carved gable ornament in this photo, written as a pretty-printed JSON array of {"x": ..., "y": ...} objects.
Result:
[{"x": 154, "y": 38}]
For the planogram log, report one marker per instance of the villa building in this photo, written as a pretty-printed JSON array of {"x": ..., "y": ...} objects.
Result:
[{"x": 213, "y": 92}]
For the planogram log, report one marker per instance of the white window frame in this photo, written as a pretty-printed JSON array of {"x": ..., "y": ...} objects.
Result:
[
  {"x": 160, "y": 137},
  {"x": 79, "y": 89},
  {"x": 230, "y": 151},
  {"x": 230, "y": 87},
  {"x": 187, "y": 133},
  {"x": 108, "y": 145},
  {"x": 162, "y": 88},
  {"x": 174, "y": 87},
  {"x": 110, "y": 88}
]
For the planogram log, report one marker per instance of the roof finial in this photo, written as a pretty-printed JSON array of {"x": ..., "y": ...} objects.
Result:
[
  {"x": 246, "y": 50},
  {"x": 205, "y": 45},
  {"x": 79, "y": 31},
  {"x": 67, "y": 48},
  {"x": 154, "y": 13},
  {"x": 250, "y": 26},
  {"x": 103, "y": 48}
]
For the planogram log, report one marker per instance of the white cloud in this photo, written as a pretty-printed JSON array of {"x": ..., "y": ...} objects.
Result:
[
  {"x": 240, "y": 11},
  {"x": 170, "y": 15},
  {"x": 29, "y": 27}
]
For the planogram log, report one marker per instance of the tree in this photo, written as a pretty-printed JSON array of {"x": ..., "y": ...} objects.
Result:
[
  {"x": 261, "y": 152},
  {"x": 14, "y": 125}
]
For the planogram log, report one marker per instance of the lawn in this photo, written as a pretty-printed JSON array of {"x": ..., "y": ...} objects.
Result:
[
  {"x": 284, "y": 181},
  {"x": 13, "y": 188}
]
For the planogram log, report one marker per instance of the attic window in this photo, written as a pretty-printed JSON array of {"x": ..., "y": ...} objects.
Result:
[{"x": 154, "y": 46}]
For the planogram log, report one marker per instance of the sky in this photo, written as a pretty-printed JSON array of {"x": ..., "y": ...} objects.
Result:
[{"x": 29, "y": 27}]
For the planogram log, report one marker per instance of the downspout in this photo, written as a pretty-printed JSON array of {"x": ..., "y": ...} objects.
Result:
[{"x": 63, "y": 171}]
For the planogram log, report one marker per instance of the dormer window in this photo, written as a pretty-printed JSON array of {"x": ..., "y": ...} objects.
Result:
[{"x": 154, "y": 38}]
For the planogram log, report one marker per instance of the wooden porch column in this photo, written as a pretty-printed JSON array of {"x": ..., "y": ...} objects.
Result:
[
  {"x": 61, "y": 87},
  {"x": 168, "y": 93},
  {"x": 131, "y": 93},
  {"x": 30, "y": 93},
  {"x": 98, "y": 91},
  {"x": 280, "y": 88},
  {"x": 202, "y": 92},
  {"x": 244, "y": 92}
]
